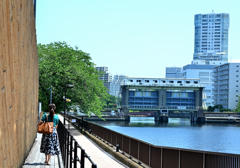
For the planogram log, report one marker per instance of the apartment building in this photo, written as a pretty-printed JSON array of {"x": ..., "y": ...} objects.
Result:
[
  {"x": 106, "y": 77},
  {"x": 226, "y": 85},
  {"x": 211, "y": 37},
  {"x": 115, "y": 85}
]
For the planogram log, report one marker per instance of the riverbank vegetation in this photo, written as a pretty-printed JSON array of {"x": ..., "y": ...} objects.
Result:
[{"x": 61, "y": 64}]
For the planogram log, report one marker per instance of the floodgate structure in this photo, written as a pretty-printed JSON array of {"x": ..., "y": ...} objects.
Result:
[{"x": 161, "y": 95}]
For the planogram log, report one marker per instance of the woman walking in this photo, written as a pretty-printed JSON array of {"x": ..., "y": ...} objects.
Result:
[{"x": 49, "y": 142}]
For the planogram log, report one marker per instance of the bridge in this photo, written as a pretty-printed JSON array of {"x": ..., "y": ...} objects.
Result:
[{"x": 161, "y": 94}]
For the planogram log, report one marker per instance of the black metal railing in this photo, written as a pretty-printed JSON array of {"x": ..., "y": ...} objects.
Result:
[
  {"x": 159, "y": 156},
  {"x": 73, "y": 154}
]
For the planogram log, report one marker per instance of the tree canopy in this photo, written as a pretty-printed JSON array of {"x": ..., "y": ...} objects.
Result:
[
  {"x": 237, "y": 109},
  {"x": 61, "y": 64}
]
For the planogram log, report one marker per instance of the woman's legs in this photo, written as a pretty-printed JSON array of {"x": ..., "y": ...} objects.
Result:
[
  {"x": 49, "y": 157},
  {"x": 46, "y": 157}
]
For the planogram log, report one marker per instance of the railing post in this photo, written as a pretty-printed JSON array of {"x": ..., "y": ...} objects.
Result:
[
  {"x": 75, "y": 154},
  {"x": 117, "y": 148},
  {"x": 94, "y": 166},
  {"x": 82, "y": 158},
  {"x": 64, "y": 142},
  {"x": 67, "y": 142},
  {"x": 70, "y": 160}
]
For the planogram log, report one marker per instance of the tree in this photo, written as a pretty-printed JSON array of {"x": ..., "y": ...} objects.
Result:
[
  {"x": 109, "y": 101},
  {"x": 237, "y": 109},
  {"x": 60, "y": 64},
  {"x": 210, "y": 108},
  {"x": 218, "y": 106}
]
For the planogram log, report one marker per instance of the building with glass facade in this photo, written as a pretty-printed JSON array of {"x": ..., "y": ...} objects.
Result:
[{"x": 211, "y": 37}]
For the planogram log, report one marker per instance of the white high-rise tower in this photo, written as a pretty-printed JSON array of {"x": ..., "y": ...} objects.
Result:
[{"x": 211, "y": 37}]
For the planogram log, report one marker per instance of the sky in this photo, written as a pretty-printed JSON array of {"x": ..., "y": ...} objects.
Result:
[{"x": 137, "y": 38}]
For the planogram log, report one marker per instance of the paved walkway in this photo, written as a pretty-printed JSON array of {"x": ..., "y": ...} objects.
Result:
[
  {"x": 36, "y": 159},
  {"x": 98, "y": 156}
]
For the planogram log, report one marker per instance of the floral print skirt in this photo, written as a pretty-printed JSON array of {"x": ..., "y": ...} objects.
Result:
[{"x": 49, "y": 143}]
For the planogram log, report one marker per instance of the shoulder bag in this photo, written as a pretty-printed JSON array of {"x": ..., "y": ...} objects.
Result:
[{"x": 45, "y": 127}]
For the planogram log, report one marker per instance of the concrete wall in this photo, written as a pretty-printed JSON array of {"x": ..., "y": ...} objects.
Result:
[
  {"x": 198, "y": 97},
  {"x": 125, "y": 94},
  {"x": 18, "y": 81},
  {"x": 162, "y": 97}
]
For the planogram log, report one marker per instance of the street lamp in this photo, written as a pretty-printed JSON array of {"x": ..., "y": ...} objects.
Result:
[
  {"x": 50, "y": 94},
  {"x": 69, "y": 86}
]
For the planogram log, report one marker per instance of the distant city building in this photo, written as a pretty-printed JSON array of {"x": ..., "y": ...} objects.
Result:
[
  {"x": 115, "y": 85},
  {"x": 211, "y": 37},
  {"x": 226, "y": 89},
  {"x": 173, "y": 72},
  {"x": 105, "y": 77},
  {"x": 204, "y": 73}
]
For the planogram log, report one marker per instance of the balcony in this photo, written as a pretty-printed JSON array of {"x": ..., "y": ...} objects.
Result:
[
  {"x": 223, "y": 68},
  {"x": 223, "y": 93},
  {"x": 224, "y": 82},
  {"x": 223, "y": 78},
  {"x": 223, "y": 87},
  {"x": 223, "y": 73}
]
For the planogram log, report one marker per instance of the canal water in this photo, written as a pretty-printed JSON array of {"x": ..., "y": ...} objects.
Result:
[{"x": 180, "y": 133}]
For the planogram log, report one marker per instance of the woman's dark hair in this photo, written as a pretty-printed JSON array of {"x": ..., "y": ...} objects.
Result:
[{"x": 50, "y": 107}]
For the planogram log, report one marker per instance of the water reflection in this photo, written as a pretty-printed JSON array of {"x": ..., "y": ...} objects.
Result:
[
  {"x": 180, "y": 133},
  {"x": 149, "y": 122}
]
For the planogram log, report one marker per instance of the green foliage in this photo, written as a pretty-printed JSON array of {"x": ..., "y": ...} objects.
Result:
[
  {"x": 225, "y": 110},
  {"x": 237, "y": 109},
  {"x": 210, "y": 108},
  {"x": 218, "y": 106},
  {"x": 110, "y": 101},
  {"x": 60, "y": 64}
]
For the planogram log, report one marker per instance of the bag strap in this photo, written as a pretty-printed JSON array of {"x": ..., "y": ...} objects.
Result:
[{"x": 47, "y": 118}]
